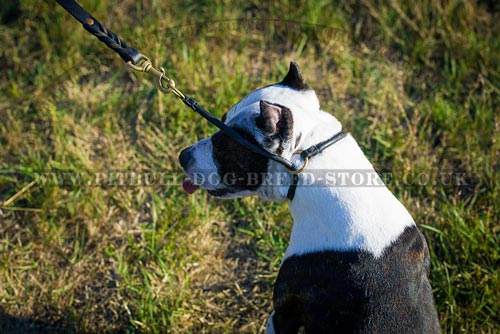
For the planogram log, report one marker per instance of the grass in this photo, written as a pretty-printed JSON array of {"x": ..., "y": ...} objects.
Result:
[{"x": 418, "y": 86}]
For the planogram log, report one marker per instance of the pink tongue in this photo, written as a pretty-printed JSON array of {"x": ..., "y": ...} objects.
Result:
[{"x": 189, "y": 186}]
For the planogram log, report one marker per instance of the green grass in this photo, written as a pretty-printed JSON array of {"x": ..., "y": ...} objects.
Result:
[{"x": 418, "y": 86}]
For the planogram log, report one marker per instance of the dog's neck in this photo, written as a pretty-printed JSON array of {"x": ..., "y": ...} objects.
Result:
[{"x": 348, "y": 215}]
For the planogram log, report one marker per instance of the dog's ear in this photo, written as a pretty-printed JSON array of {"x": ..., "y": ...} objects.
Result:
[
  {"x": 270, "y": 115},
  {"x": 294, "y": 78},
  {"x": 275, "y": 120}
]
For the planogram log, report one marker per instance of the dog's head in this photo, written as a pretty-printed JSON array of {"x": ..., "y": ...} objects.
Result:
[{"x": 276, "y": 117}]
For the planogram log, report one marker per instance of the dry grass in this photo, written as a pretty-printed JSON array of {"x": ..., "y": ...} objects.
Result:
[{"x": 418, "y": 86}]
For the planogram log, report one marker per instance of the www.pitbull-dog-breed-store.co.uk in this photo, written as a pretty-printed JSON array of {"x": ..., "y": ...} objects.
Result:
[{"x": 356, "y": 262}]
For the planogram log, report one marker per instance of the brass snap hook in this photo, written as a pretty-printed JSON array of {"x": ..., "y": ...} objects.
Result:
[
  {"x": 147, "y": 67},
  {"x": 170, "y": 82}
]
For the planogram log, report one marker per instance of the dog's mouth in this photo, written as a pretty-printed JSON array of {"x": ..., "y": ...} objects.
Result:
[{"x": 189, "y": 186}]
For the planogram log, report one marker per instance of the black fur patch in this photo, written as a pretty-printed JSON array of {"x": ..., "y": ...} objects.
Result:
[
  {"x": 353, "y": 292},
  {"x": 239, "y": 168},
  {"x": 294, "y": 78}
]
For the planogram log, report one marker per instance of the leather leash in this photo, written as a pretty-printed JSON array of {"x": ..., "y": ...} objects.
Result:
[{"x": 139, "y": 62}]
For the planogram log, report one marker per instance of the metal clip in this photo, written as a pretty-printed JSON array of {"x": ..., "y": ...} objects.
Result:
[
  {"x": 165, "y": 84},
  {"x": 169, "y": 82}
]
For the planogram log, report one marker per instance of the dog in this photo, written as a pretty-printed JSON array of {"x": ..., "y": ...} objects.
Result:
[{"x": 356, "y": 261}]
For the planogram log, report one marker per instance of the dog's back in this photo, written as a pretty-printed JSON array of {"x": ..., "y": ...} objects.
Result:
[{"x": 353, "y": 292}]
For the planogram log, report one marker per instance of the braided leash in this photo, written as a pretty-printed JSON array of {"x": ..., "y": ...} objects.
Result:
[{"x": 138, "y": 62}]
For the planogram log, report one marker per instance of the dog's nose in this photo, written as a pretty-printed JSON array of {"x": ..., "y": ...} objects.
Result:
[{"x": 185, "y": 156}]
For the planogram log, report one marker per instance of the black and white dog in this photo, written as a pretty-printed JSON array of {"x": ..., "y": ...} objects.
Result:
[{"x": 356, "y": 262}]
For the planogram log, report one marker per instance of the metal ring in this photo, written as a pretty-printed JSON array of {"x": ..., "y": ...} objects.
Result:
[{"x": 301, "y": 169}]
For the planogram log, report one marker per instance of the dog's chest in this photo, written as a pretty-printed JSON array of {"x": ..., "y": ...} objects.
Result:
[
  {"x": 353, "y": 287},
  {"x": 345, "y": 219}
]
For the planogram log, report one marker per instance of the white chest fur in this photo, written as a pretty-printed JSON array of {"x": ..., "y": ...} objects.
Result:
[{"x": 345, "y": 217}]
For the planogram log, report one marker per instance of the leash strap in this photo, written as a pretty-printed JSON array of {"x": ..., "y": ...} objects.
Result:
[
  {"x": 93, "y": 26},
  {"x": 318, "y": 148},
  {"x": 293, "y": 187},
  {"x": 141, "y": 63}
]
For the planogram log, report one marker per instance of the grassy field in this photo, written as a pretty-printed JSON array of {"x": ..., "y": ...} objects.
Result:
[{"x": 86, "y": 246}]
